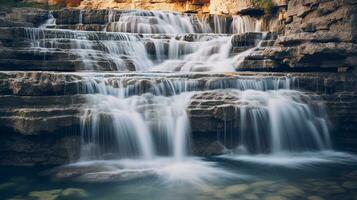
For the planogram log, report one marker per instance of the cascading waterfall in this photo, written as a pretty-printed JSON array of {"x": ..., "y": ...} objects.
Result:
[
  {"x": 243, "y": 24},
  {"x": 110, "y": 51},
  {"x": 51, "y": 21},
  {"x": 130, "y": 52},
  {"x": 179, "y": 47},
  {"x": 148, "y": 121},
  {"x": 155, "y": 22},
  {"x": 130, "y": 122},
  {"x": 144, "y": 126},
  {"x": 281, "y": 121},
  {"x": 220, "y": 24}
]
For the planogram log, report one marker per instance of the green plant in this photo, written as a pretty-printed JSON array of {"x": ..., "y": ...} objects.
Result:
[{"x": 266, "y": 5}]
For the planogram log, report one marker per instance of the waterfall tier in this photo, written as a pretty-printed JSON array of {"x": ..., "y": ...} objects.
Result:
[
  {"x": 149, "y": 125},
  {"x": 68, "y": 50},
  {"x": 140, "y": 21}
]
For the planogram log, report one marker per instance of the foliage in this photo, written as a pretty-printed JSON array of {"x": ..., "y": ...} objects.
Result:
[
  {"x": 266, "y": 5},
  {"x": 20, "y": 4}
]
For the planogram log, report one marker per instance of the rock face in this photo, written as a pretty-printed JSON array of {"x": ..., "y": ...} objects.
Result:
[
  {"x": 24, "y": 17},
  {"x": 232, "y": 7},
  {"x": 317, "y": 34}
]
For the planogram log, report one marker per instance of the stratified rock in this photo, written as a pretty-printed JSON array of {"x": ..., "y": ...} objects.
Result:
[
  {"x": 24, "y": 17},
  {"x": 318, "y": 35}
]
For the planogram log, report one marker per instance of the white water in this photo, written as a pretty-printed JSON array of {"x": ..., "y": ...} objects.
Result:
[
  {"x": 155, "y": 22},
  {"x": 146, "y": 129},
  {"x": 132, "y": 136},
  {"x": 244, "y": 24},
  {"x": 123, "y": 52},
  {"x": 191, "y": 171},
  {"x": 281, "y": 121},
  {"x": 144, "y": 126},
  {"x": 167, "y": 43},
  {"x": 271, "y": 121}
]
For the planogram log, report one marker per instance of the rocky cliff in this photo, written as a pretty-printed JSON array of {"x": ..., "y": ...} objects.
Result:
[{"x": 317, "y": 34}]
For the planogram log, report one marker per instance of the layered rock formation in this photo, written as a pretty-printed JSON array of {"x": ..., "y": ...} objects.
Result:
[
  {"x": 232, "y": 7},
  {"x": 317, "y": 34}
]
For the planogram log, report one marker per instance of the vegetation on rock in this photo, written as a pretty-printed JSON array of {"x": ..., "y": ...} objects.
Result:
[{"x": 266, "y": 5}]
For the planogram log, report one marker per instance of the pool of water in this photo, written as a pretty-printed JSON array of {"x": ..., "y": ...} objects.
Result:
[{"x": 313, "y": 176}]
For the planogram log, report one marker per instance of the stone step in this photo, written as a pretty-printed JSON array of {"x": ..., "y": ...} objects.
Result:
[{"x": 52, "y": 83}]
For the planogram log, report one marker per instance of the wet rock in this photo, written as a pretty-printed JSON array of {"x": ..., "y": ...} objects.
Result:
[
  {"x": 55, "y": 194},
  {"x": 25, "y": 17},
  {"x": 114, "y": 177},
  {"x": 6, "y": 186},
  {"x": 315, "y": 198},
  {"x": 250, "y": 197},
  {"x": 272, "y": 197},
  {"x": 349, "y": 185},
  {"x": 18, "y": 197},
  {"x": 74, "y": 193},
  {"x": 291, "y": 191},
  {"x": 236, "y": 189},
  {"x": 246, "y": 39},
  {"x": 262, "y": 184},
  {"x": 45, "y": 195},
  {"x": 205, "y": 146},
  {"x": 75, "y": 172}
]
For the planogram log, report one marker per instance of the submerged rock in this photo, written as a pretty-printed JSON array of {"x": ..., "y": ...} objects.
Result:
[
  {"x": 350, "y": 185},
  {"x": 272, "y": 197},
  {"x": 315, "y": 198},
  {"x": 74, "y": 193},
  {"x": 45, "y": 195},
  {"x": 55, "y": 194}
]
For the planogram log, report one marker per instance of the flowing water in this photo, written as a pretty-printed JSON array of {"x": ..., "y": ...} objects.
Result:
[{"x": 136, "y": 136}]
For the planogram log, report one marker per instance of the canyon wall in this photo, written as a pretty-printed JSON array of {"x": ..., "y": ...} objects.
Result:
[{"x": 317, "y": 34}]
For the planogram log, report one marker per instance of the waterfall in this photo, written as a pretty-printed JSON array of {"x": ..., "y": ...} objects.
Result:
[
  {"x": 134, "y": 121},
  {"x": 51, "y": 21},
  {"x": 144, "y": 126},
  {"x": 95, "y": 50},
  {"x": 220, "y": 24},
  {"x": 145, "y": 117},
  {"x": 243, "y": 24},
  {"x": 155, "y": 22},
  {"x": 281, "y": 121},
  {"x": 131, "y": 52},
  {"x": 149, "y": 41}
]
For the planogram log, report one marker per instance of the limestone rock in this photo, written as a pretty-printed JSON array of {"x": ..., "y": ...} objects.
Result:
[{"x": 319, "y": 35}]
